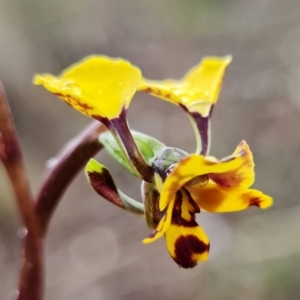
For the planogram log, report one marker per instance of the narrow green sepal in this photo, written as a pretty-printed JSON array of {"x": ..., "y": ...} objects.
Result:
[{"x": 148, "y": 146}]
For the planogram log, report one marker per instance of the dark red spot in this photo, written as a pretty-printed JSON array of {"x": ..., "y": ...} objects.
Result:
[
  {"x": 193, "y": 203},
  {"x": 185, "y": 247},
  {"x": 224, "y": 181},
  {"x": 255, "y": 202},
  {"x": 148, "y": 90},
  {"x": 84, "y": 106},
  {"x": 177, "y": 218},
  {"x": 72, "y": 100},
  {"x": 153, "y": 234}
]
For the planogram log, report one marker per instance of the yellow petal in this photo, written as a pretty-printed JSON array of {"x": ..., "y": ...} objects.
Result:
[
  {"x": 198, "y": 90},
  {"x": 216, "y": 198},
  {"x": 97, "y": 86},
  {"x": 192, "y": 166},
  {"x": 243, "y": 175},
  {"x": 187, "y": 245}
]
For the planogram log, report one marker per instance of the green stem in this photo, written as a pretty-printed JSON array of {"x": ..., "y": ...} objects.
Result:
[{"x": 131, "y": 204}]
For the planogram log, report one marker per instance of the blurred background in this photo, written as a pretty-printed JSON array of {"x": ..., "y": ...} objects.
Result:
[{"x": 93, "y": 249}]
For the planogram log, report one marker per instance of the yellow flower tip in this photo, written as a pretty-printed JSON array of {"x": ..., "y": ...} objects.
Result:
[
  {"x": 97, "y": 86},
  {"x": 187, "y": 245},
  {"x": 38, "y": 79},
  {"x": 208, "y": 62},
  {"x": 262, "y": 202},
  {"x": 197, "y": 91},
  {"x": 94, "y": 166},
  {"x": 153, "y": 236},
  {"x": 147, "y": 241}
]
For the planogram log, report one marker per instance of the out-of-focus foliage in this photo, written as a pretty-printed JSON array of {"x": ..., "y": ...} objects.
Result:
[{"x": 94, "y": 250}]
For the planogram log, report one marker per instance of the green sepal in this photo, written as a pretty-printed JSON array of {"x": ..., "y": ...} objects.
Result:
[{"x": 148, "y": 146}]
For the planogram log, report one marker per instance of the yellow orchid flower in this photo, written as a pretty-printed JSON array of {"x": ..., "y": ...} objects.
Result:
[
  {"x": 202, "y": 183},
  {"x": 102, "y": 88},
  {"x": 196, "y": 93},
  {"x": 175, "y": 185},
  {"x": 97, "y": 86}
]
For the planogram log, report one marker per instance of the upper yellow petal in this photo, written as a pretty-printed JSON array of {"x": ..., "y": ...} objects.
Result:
[
  {"x": 97, "y": 86},
  {"x": 198, "y": 90},
  {"x": 192, "y": 166}
]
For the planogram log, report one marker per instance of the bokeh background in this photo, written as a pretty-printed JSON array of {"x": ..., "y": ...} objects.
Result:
[{"x": 93, "y": 249}]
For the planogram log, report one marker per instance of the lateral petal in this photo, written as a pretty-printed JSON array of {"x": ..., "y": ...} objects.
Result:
[
  {"x": 216, "y": 198},
  {"x": 192, "y": 166},
  {"x": 243, "y": 175}
]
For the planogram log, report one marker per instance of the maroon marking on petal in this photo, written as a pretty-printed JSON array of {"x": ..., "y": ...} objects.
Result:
[
  {"x": 148, "y": 90},
  {"x": 84, "y": 106},
  {"x": 153, "y": 234},
  {"x": 158, "y": 92},
  {"x": 72, "y": 100},
  {"x": 255, "y": 202},
  {"x": 202, "y": 125},
  {"x": 177, "y": 212},
  {"x": 193, "y": 203},
  {"x": 185, "y": 247},
  {"x": 222, "y": 180}
]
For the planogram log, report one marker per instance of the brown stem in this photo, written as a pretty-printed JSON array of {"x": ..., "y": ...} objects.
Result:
[
  {"x": 121, "y": 132},
  {"x": 69, "y": 162},
  {"x": 30, "y": 288},
  {"x": 202, "y": 129},
  {"x": 72, "y": 159}
]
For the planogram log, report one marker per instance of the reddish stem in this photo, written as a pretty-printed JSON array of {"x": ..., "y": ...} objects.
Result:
[
  {"x": 69, "y": 162},
  {"x": 31, "y": 287},
  {"x": 72, "y": 159}
]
